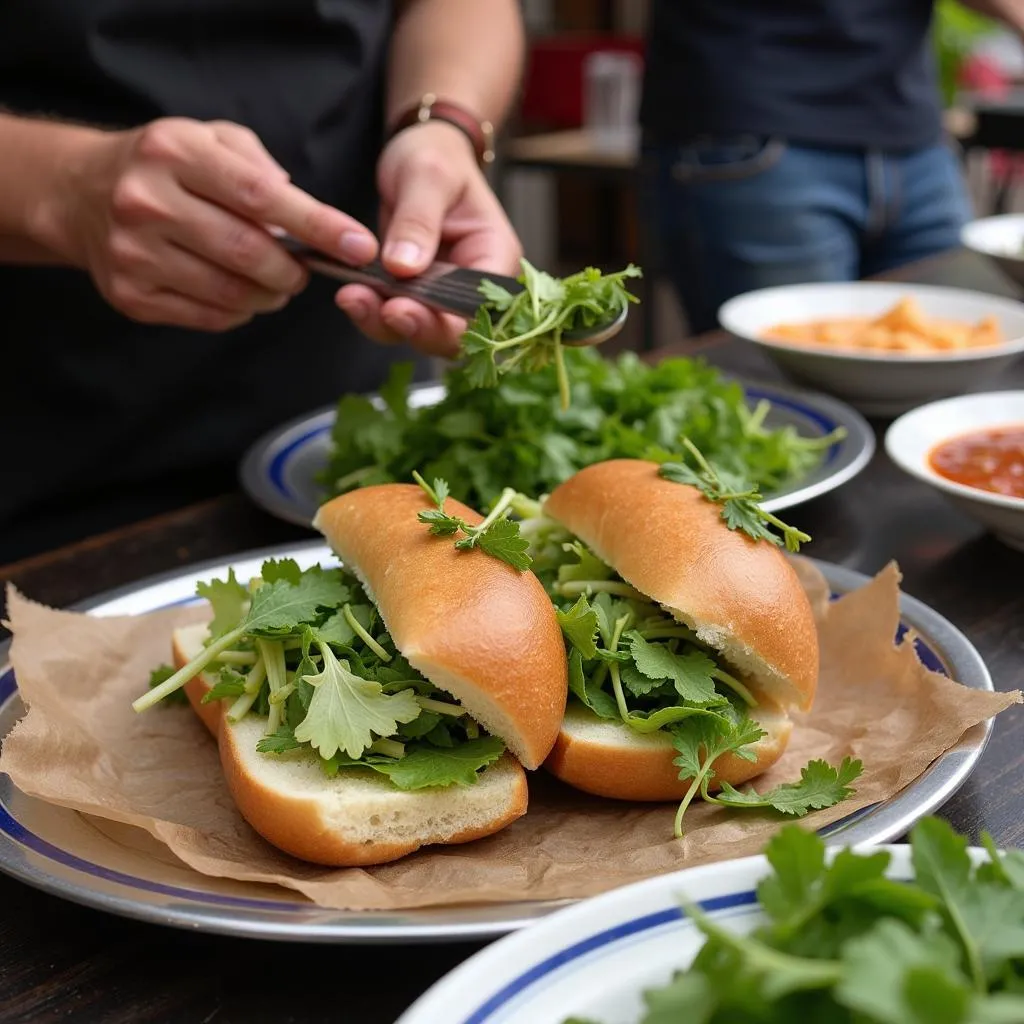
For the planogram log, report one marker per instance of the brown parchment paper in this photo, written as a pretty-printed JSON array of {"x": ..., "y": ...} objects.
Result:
[{"x": 80, "y": 745}]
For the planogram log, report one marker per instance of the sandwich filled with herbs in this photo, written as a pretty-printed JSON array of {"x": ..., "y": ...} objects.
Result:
[
  {"x": 690, "y": 639},
  {"x": 367, "y": 710}
]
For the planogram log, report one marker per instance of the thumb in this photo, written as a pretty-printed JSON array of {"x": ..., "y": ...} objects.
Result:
[{"x": 422, "y": 200}]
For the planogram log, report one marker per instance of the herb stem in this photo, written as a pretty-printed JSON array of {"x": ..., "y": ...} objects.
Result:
[
  {"x": 357, "y": 628},
  {"x": 253, "y": 685},
  {"x": 734, "y": 684},
  {"x": 573, "y": 588},
  {"x": 677, "y": 825},
  {"x": 273, "y": 658},
  {"x": 503, "y": 503},
  {"x": 472, "y": 729},
  {"x": 189, "y": 671},
  {"x": 389, "y": 748},
  {"x": 280, "y": 696},
  {"x": 561, "y": 373},
  {"x": 620, "y": 697},
  {"x": 541, "y": 328},
  {"x": 237, "y": 657},
  {"x": 440, "y": 707},
  {"x": 344, "y": 482}
]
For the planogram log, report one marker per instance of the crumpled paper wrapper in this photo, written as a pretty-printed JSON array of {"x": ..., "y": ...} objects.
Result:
[{"x": 81, "y": 745}]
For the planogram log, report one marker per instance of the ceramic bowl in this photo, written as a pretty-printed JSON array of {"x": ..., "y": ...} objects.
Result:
[
  {"x": 881, "y": 384},
  {"x": 910, "y": 440}
]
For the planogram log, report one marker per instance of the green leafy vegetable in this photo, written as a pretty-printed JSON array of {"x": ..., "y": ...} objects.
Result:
[
  {"x": 821, "y": 785},
  {"x": 228, "y": 599},
  {"x": 347, "y": 712},
  {"x": 738, "y": 497},
  {"x": 311, "y": 658},
  {"x": 579, "y": 624},
  {"x": 691, "y": 673},
  {"x": 496, "y": 535},
  {"x": 518, "y": 435},
  {"x": 843, "y": 943},
  {"x": 525, "y": 330}
]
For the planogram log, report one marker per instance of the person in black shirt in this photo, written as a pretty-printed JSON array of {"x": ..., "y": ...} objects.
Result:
[
  {"x": 789, "y": 141},
  {"x": 152, "y": 327}
]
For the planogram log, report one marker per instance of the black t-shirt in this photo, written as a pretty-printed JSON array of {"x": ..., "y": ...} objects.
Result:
[
  {"x": 105, "y": 419},
  {"x": 826, "y": 72}
]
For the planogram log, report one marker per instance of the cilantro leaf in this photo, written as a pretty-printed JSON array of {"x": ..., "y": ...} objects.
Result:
[
  {"x": 988, "y": 920},
  {"x": 587, "y": 566},
  {"x": 637, "y": 683},
  {"x": 1006, "y": 868},
  {"x": 738, "y": 497},
  {"x": 691, "y": 673},
  {"x": 579, "y": 624},
  {"x": 821, "y": 785},
  {"x": 502, "y": 540},
  {"x": 229, "y": 684},
  {"x": 896, "y": 976},
  {"x": 160, "y": 675},
  {"x": 280, "y": 742},
  {"x": 281, "y": 606},
  {"x": 281, "y": 569},
  {"x": 429, "y": 766},
  {"x": 347, "y": 712},
  {"x": 228, "y": 599},
  {"x": 602, "y": 704}
]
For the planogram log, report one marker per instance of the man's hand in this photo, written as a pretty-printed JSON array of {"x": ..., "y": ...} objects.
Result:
[
  {"x": 170, "y": 221},
  {"x": 436, "y": 204}
]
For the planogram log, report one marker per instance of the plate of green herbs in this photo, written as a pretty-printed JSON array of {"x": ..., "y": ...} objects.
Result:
[
  {"x": 931, "y": 932},
  {"x": 796, "y": 445}
]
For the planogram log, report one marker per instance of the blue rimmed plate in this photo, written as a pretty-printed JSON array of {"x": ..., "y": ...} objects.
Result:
[
  {"x": 279, "y": 472},
  {"x": 596, "y": 959},
  {"x": 123, "y": 870}
]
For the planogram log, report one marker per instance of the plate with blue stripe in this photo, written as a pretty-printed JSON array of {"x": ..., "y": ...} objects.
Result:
[
  {"x": 123, "y": 870},
  {"x": 280, "y": 472}
]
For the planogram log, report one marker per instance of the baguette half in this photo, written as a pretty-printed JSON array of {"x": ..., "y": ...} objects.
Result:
[
  {"x": 741, "y": 597},
  {"x": 357, "y": 818}
]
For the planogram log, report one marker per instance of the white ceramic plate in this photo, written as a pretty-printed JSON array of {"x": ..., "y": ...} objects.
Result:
[
  {"x": 878, "y": 384},
  {"x": 279, "y": 472},
  {"x": 595, "y": 959},
  {"x": 123, "y": 870},
  {"x": 910, "y": 440},
  {"x": 1001, "y": 238}
]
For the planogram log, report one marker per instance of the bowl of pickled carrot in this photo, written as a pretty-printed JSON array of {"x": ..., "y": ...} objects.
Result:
[
  {"x": 971, "y": 448},
  {"x": 884, "y": 347}
]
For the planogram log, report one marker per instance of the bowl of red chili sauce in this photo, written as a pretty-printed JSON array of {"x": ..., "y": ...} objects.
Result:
[{"x": 971, "y": 448}]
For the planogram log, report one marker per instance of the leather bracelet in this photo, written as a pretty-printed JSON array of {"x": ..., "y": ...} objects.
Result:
[{"x": 430, "y": 108}]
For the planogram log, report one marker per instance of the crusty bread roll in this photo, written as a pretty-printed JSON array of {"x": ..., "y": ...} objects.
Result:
[
  {"x": 471, "y": 624},
  {"x": 358, "y": 817},
  {"x": 741, "y": 597}
]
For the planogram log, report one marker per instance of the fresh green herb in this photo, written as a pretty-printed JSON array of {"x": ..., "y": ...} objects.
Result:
[
  {"x": 347, "y": 711},
  {"x": 517, "y": 435},
  {"x": 738, "y": 497},
  {"x": 524, "y": 330},
  {"x": 630, "y": 662},
  {"x": 821, "y": 785},
  {"x": 845, "y": 944},
  {"x": 496, "y": 535},
  {"x": 306, "y": 651},
  {"x": 229, "y": 684},
  {"x": 159, "y": 676}
]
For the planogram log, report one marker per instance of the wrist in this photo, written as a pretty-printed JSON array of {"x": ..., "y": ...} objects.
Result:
[
  {"x": 435, "y": 135},
  {"x": 433, "y": 109},
  {"x": 62, "y": 154}
]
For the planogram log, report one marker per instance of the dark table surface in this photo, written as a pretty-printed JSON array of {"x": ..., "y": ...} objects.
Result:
[{"x": 61, "y": 961}]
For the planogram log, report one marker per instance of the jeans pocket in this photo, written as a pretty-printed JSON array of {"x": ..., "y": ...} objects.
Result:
[{"x": 726, "y": 159}]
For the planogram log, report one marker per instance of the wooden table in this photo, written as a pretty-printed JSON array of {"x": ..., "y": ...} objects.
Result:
[{"x": 61, "y": 961}]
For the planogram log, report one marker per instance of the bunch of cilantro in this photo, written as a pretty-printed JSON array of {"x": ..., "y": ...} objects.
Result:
[
  {"x": 307, "y": 652},
  {"x": 633, "y": 664},
  {"x": 517, "y": 435},
  {"x": 844, "y": 944}
]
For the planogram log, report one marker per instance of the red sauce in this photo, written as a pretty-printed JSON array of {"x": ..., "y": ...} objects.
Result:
[{"x": 990, "y": 460}]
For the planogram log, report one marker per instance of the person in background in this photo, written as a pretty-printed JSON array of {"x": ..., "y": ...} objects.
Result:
[
  {"x": 152, "y": 326},
  {"x": 787, "y": 142}
]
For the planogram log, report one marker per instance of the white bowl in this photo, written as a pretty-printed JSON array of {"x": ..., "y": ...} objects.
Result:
[
  {"x": 595, "y": 959},
  {"x": 877, "y": 383},
  {"x": 1001, "y": 238},
  {"x": 910, "y": 440}
]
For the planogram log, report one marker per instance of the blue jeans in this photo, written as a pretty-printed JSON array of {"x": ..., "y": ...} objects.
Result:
[{"x": 725, "y": 216}]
